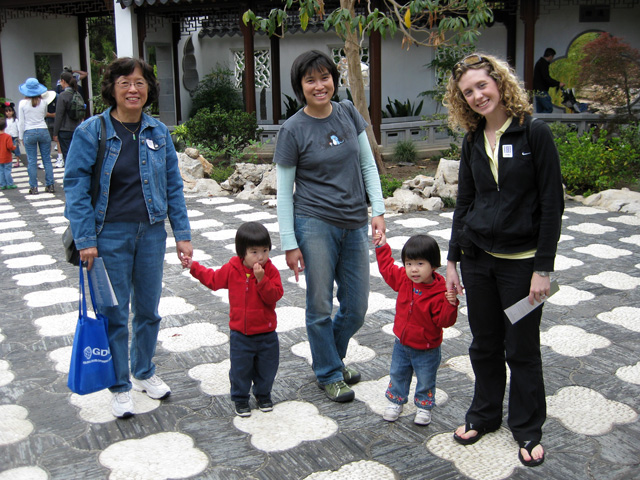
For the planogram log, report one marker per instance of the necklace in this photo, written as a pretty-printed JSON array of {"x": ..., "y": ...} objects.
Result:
[{"x": 133, "y": 132}]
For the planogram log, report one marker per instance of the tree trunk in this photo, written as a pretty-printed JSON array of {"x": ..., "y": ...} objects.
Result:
[{"x": 356, "y": 83}]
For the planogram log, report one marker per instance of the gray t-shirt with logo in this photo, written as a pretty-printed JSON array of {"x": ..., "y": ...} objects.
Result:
[{"x": 326, "y": 154}]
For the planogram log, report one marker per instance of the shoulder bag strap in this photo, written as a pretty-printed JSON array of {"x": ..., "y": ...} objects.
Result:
[{"x": 97, "y": 168}]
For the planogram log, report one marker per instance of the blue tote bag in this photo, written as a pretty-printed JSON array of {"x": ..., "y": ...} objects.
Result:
[{"x": 91, "y": 366}]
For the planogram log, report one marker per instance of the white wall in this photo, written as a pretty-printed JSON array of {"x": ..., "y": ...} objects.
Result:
[
  {"x": 558, "y": 28},
  {"x": 20, "y": 39}
]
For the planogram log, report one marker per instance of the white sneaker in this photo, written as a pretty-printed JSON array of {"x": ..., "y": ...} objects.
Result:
[
  {"x": 392, "y": 412},
  {"x": 154, "y": 387},
  {"x": 60, "y": 163},
  {"x": 423, "y": 417},
  {"x": 122, "y": 405},
  {"x": 40, "y": 166}
]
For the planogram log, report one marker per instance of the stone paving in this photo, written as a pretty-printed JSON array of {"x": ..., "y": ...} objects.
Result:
[{"x": 591, "y": 356}]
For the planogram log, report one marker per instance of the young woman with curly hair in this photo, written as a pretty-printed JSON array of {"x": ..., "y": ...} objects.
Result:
[{"x": 506, "y": 227}]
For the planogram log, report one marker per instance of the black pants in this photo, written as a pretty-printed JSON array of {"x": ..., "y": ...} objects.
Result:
[
  {"x": 254, "y": 359},
  {"x": 493, "y": 284}
]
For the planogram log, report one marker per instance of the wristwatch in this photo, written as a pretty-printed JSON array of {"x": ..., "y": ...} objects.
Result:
[{"x": 542, "y": 274}]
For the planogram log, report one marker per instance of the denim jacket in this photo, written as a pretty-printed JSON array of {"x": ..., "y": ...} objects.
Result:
[{"x": 159, "y": 172}]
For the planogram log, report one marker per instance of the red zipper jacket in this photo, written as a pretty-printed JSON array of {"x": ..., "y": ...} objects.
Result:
[
  {"x": 422, "y": 310},
  {"x": 252, "y": 304}
]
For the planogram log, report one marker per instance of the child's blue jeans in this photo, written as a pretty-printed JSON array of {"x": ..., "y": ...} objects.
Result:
[
  {"x": 5, "y": 174},
  {"x": 254, "y": 360},
  {"x": 404, "y": 362}
]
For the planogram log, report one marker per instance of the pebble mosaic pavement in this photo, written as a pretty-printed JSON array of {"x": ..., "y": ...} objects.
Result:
[{"x": 591, "y": 354}]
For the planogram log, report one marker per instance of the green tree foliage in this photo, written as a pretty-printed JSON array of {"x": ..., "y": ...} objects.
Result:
[
  {"x": 217, "y": 88},
  {"x": 567, "y": 69}
]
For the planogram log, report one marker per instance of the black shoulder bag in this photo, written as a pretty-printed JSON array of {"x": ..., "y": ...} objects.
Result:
[{"x": 71, "y": 252}]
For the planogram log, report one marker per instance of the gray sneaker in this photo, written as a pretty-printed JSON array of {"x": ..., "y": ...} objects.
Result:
[
  {"x": 338, "y": 391},
  {"x": 122, "y": 405},
  {"x": 351, "y": 375},
  {"x": 154, "y": 387}
]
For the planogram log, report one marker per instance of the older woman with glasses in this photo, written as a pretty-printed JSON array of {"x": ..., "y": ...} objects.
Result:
[
  {"x": 140, "y": 186},
  {"x": 506, "y": 227}
]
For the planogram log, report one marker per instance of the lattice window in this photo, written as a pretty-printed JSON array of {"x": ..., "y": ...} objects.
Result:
[
  {"x": 262, "y": 68},
  {"x": 341, "y": 61},
  {"x": 446, "y": 56}
]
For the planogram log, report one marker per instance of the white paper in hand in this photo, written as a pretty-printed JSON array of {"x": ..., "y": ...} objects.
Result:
[
  {"x": 104, "y": 294},
  {"x": 519, "y": 309}
]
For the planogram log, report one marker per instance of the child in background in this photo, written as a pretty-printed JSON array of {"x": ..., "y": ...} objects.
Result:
[
  {"x": 12, "y": 128},
  {"x": 254, "y": 288},
  {"x": 423, "y": 309},
  {"x": 6, "y": 148}
]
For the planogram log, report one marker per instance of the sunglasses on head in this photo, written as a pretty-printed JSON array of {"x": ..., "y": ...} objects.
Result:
[{"x": 468, "y": 61}]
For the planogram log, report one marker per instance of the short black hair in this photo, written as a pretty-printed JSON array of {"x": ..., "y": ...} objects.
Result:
[
  {"x": 125, "y": 66},
  {"x": 3, "y": 123},
  {"x": 311, "y": 61},
  {"x": 549, "y": 52},
  {"x": 422, "y": 247},
  {"x": 251, "y": 234}
]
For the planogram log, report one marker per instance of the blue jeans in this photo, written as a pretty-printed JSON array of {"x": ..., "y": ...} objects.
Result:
[
  {"x": 16, "y": 152},
  {"x": 5, "y": 174},
  {"x": 254, "y": 359},
  {"x": 404, "y": 362},
  {"x": 34, "y": 139},
  {"x": 64, "y": 137},
  {"x": 133, "y": 255},
  {"x": 341, "y": 255},
  {"x": 543, "y": 102}
]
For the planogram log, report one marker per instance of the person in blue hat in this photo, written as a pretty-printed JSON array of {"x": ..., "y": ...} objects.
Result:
[{"x": 34, "y": 133}]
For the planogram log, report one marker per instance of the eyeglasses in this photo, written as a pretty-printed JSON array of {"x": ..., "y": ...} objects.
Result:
[
  {"x": 124, "y": 85},
  {"x": 468, "y": 61}
]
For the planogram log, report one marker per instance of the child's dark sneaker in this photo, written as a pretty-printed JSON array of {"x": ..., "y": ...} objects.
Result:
[
  {"x": 243, "y": 409},
  {"x": 265, "y": 404}
]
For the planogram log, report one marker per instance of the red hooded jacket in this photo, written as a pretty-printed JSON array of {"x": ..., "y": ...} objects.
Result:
[
  {"x": 252, "y": 304},
  {"x": 422, "y": 310}
]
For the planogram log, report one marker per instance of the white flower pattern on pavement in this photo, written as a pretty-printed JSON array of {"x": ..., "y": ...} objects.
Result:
[{"x": 572, "y": 341}]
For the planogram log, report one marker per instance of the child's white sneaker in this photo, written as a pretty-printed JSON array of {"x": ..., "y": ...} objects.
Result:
[
  {"x": 423, "y": 417},
  {"x": 392, "y": 412}
]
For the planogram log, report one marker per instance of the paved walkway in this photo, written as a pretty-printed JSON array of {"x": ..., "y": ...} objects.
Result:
[{"x": 591, "y": 353}]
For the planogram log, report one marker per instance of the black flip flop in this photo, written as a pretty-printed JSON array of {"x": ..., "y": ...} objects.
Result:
[
  {"x": 529, "y": 445},
  {"x": 470, "y": 441}
]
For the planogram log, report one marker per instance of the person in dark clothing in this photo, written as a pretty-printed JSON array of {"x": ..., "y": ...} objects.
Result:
[
  {"x": 542, "y": 81},
  {"x": 506, "y": 227}
]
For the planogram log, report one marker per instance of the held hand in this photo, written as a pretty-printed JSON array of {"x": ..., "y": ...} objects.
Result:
[
  {"x": 184, "y": 249},
  {"x": 87, "y": 255},
  {"x": 295, "y": 261},
  {"x": 453, "y": 280},
  {"x": 55, "y": 138},
  {"x": 186, "y": 262},
  {"x": 377, "y": 226},
  {"x": 258, "y": 271},
  {"x": 540, "y": 288},
  {"x": 380, "y": 239},
  {"x": 451, "y": 296}
]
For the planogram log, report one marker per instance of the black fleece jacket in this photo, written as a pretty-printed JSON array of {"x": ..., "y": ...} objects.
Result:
[{"x": 524, "y": 209}]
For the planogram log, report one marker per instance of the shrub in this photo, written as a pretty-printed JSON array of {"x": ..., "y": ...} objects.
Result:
[
  {"x": 399, "y": 109},
  {"x": 592, "y": 162},
  {"x": 220, "y": 172},
  {"x": 405, "y": 151},
  {"x": 217, "y": 88},
  {"x": 225, "y": 132},
  {"x": 389, "y": 185}
]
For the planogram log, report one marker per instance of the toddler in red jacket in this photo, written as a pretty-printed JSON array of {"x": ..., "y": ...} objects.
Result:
[
  {"x": 423, "y": 308},
  {"x": 254, "y": 286}
]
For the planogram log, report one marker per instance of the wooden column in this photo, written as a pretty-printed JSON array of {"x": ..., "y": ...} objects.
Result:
[
  {"x": 142, "y": 31},
  {"x": 276, "y": 82},
  {"x": 529, "y": 14},
  {"x": 249, "y": 66}
]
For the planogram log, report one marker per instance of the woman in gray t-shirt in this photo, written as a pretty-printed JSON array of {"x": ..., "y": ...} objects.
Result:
[{"x": 323, "y": 149}]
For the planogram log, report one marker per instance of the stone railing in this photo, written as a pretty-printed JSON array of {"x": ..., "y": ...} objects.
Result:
[{"x": 393, "y": 130}]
